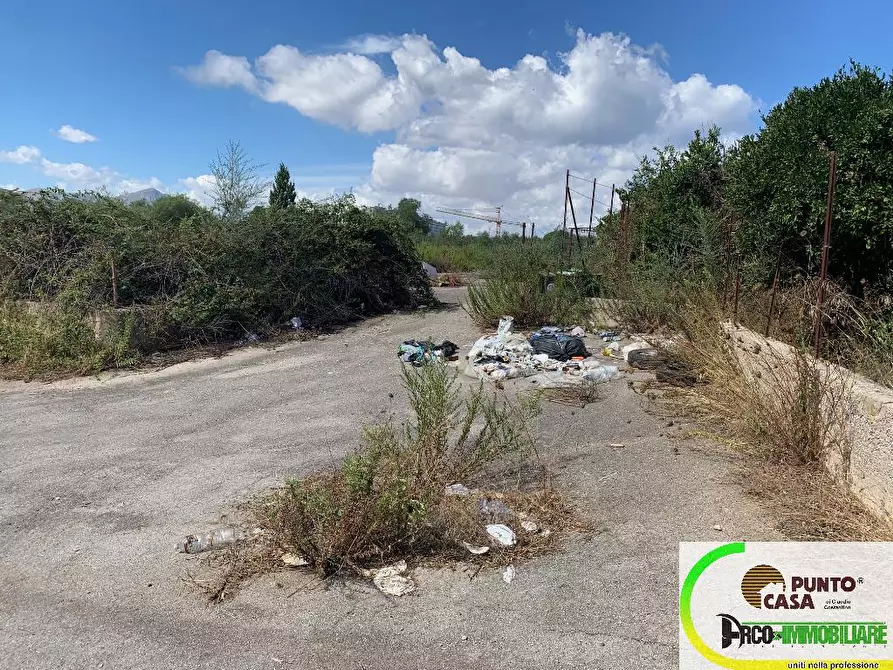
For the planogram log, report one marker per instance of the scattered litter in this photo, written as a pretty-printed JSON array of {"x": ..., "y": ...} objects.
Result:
[
  {"x": 296, "y": 323},
  {"x": 603, "y": 373},
  {"x": 509, "y": 574},
  {"x": 717, "y": 527},
  {"x": 475, "y": 549},
  {"x": 616, "y": 445},
  {"x": 430, "y": 270},
  {"x": 294, "y": 560},
  {"x": 418, "y": 353},
  {"x": 494, "y": 510},
  {"x": 457, "y": 490},
  {"x": 577, "y": 331},
  {"x": 634, "y": 346},
  {"x": 556, "y": 357},
  {"x": 215, "y": 539},
  {"x": 502, "y": 534},
  {"x": 613, "y": 346},
  {"x": 558, "y": 346},
  {"x": 390, "y": 580},
  {"x": 546, "y": 533},
  {"x": 646, "y": 358},
  {"x": 530, "y": 526}
]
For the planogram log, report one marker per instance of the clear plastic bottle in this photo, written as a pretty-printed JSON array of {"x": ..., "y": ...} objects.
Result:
[{"x": 215, "y": 539}]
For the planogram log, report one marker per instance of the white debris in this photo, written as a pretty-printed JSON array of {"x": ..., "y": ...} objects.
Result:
[
  {"x": 577, "y": 331},
  {"x": 390, "y": 580},
  {"x": 502, "y": 534},
  {"x": 294, "y": 560},
  {"x": 530, "y": 526},
  {"x": 475, "y": 549},
  {"x": 457, "y": 490},
  {"x": 509, "y": 574}
]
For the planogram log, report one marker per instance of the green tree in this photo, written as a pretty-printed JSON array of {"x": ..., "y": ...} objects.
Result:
[
  {"x": 283, "y": 193},
  {"x": 779, "y": 178},
  {"x": 676, "y": 198},
  {"x": 409, "y": 216}
]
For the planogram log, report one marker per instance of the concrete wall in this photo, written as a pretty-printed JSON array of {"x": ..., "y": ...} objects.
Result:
[{"x": 868, "y": 470}]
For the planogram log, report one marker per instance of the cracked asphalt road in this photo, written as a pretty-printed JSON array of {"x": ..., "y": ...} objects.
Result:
[{"x": 102, "y": 477}]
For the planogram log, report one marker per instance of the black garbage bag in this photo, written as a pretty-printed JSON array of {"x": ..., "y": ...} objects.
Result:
[{"x": 559, "y": 346}]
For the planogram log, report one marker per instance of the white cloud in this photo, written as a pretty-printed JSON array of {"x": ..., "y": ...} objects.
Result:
[
  {"x": 198, "y": 188},
  {"x": 217, "y": 69},
  {"x": 77, "y": 176},
  {"x": 468, "y": 135},
  {"x": 368, "y": 45},
  {"x": 74, "y": 135},
  {"x": 21, "y": 155}
]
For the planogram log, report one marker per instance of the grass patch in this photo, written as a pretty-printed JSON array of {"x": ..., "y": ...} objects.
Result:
[
  {"x": 783, "y": 408},
  {"x": 55, "y": 341},
  {"x": 386, "y": 501}
]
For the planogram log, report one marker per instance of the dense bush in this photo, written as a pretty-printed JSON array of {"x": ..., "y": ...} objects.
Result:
[
  {"x": 205, "y": 278},
  {"x": 778, "y": 179}
]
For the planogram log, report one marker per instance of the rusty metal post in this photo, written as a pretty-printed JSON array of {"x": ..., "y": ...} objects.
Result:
[
  {"x": 567, "y": 192},
  {"x": 591, "y": 211},
  {"x": 823, "y": 277},
  {"x": 774, "y": 291},
  {"x": 737, "y": 287},
  {"x": 576, "y": 229}
]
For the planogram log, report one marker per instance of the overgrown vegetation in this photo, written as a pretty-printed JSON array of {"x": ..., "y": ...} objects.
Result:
[
  {"x": 183, "y": 274},
  {"x": 387, "y": 501}
]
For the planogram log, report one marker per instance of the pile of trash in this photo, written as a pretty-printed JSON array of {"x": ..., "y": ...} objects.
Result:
[
  {"x": 558, "y": 354},
  {"x": 419, "y": 353}
]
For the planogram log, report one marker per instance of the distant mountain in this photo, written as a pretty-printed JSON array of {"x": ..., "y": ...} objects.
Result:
[{"x": 147, "y": 194}]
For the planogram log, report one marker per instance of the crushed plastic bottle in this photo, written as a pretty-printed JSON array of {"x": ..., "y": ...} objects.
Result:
[
  {"x": 505, "y": 326},
  {"x": 215, "y": 539},
  {"x": 603, "y": 373}
]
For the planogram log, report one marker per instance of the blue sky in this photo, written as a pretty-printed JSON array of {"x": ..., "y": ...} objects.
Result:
[{"x": 399, "y": 116}]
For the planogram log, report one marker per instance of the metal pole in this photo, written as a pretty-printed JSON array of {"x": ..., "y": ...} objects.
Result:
[
  {"x": 832, "y": 182},
  {"x": 498, "y": 221},
  {"x": 567, "y": 192},
  {"x": 611, "y": 208},
  {"x": 774, "y": 291},
  {"x": 576, "y": 230},
  {"x": 523, "y": 231},
  {"x": 591, "y": 211},
  {"x": 532, "y": 228}
]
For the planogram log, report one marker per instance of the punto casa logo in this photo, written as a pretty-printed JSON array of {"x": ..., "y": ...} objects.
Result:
[{"x": 800, "y": 594}]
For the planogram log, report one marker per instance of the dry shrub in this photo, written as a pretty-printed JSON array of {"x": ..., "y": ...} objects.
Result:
[
  {"x": 386, "y": 501},
  {"x": 784, "y": 408}
]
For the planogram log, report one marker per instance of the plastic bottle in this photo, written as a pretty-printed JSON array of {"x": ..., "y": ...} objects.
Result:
[
  {"x": 603, "y": 373},
  {"x": 215, "y": 539}
]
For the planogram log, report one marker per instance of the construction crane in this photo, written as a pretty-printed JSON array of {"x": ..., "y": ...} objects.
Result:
[{"x": 484, "y": 215}]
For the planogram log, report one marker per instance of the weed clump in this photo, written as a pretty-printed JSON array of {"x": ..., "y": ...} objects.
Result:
[{"x": 387, "y": 500}]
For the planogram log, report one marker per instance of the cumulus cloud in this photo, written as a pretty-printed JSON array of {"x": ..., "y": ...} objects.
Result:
[
  {"x": 74, "y": 135},
  {"x": 77, "y": 176},
  {"x": 369, "y": 45},
  {"x": 468, "y": 135},
  {"x": 217, "y": 69},
  {"x": 21, "y": 155}
]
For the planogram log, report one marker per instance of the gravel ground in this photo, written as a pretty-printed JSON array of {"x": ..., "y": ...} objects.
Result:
[{"x": 102, "y": 476}]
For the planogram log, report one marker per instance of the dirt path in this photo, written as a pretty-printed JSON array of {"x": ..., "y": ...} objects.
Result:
[{"x": 100, "y": 479}]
